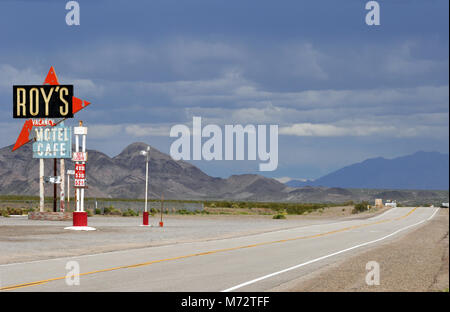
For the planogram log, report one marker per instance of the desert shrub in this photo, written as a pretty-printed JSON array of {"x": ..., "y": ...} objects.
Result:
[
  {"x": 89, "y": 212},
  {"x": 4, "y": 213},
  {"x": 360, "y": 207},
  {"x": 107, "y": 210},
  {"x": 98, "y": 211},
  {"x": 112, "y": 211},
  {"x": 235, "y": 205},
  {"x": 130, "y": 213},
  {"x": 279, "y": 216},
  {"x": 14, "y": 211}
]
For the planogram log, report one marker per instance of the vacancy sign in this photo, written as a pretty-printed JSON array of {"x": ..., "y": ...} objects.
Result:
[{"x": 52, "y": 142}]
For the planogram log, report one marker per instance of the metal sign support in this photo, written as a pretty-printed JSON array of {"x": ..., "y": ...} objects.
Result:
[
  {"x": 55, "y": 173},
  {"x": 41, "y": 185},
  {"x": 80, "y": 219},
  {"x": 62, "y": 186}
]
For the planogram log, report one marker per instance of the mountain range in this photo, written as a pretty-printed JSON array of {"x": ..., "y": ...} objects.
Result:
[
  {"x": 123, "y": 176},
  {"x": 421, "y": 170}
]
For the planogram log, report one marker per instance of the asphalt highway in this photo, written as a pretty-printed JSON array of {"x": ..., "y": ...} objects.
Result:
[{"x": 258, "y": 262}]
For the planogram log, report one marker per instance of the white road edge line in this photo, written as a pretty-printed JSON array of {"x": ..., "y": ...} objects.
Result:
[
  {"x": 324, "y": 257},
  {"x": 431, "y": 217}
]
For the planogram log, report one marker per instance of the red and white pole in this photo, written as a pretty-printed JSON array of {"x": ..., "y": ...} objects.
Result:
[
  {"x": 145, "y": 215},
  {"x": 80, "y": 218}
]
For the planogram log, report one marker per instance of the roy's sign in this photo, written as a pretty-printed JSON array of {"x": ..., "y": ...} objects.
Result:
[
  {"x": 42, "y": 101},
  {"x": 53, "y": 142},
  {"x": 37, "y": 103}
]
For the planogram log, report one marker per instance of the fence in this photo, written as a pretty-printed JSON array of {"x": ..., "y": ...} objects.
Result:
[
  {"x": 93, "y": 204},
  {"x": 138, "y": 206}
]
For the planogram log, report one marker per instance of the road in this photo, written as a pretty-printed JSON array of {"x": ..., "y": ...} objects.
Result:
[{"x": 249, "y": 263}]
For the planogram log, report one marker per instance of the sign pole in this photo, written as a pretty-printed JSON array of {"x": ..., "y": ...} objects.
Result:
[
  {"x": 68, "y": 192},
  {"x": 83, "y": 149},
  {"x": 63, "y": 184},
  {"x": 77, "y": 149},
  {"x": 80, "y": 219},
  {"x": 55, "y": 173},
  {"x": 41, "y": 185}
]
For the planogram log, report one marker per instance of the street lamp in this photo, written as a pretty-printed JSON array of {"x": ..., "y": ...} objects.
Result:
[{"x": 147, "y": 154}]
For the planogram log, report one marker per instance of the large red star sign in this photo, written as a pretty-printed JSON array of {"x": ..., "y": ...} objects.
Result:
[{"x": 77, "y": 105}]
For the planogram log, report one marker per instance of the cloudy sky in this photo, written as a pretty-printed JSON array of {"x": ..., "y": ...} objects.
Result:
[{"x": 339, "y": 90}]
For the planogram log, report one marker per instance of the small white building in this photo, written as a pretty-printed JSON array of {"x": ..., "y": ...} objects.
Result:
[{"x": 391, "y": 203}]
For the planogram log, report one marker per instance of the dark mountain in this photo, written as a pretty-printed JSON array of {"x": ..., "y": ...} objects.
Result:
[
  {"x": 422, "y": 170},
  {"x": 123, "y": 176}
]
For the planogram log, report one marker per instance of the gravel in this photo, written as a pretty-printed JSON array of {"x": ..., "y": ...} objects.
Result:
[{"x": 418, "y": 261}]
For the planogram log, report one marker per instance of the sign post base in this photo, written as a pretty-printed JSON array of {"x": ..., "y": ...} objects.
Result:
[
  {"x": 80, "y": 222},
  {"x": 145, "y": 219},
  {"x": 80, "y": 228},
  {"x": 80, "y": 218}
]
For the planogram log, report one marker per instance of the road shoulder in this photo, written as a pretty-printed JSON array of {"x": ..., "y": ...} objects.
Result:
[{"x": 417, "y": 261}]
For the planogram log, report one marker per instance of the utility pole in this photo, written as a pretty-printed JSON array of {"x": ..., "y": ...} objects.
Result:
[{"x": 162, "y": 208}]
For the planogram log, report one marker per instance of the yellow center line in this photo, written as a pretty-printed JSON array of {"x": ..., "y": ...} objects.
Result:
[{"x": 13, "y": 287}]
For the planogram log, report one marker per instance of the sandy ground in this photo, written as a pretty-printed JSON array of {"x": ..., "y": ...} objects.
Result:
[
  {"x": 331, "y": 212},
  {"x": 24, "y": 240},
  {"x": 418, "y": 261}
]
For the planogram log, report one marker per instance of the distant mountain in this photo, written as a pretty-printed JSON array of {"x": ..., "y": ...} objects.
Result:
[
  {"x": 123, "y": 176},
  {"x": 422, "y": 170}
]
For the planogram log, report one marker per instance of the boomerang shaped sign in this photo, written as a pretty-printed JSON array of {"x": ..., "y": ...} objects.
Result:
[{"x": 52, "y": 80}]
